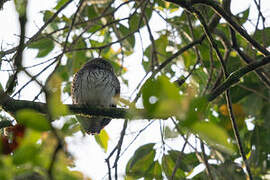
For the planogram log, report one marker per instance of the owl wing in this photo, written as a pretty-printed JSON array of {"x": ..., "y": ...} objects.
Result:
[
  {"x": 75, "y": 86},
  {"x": 116, "y": 85}
]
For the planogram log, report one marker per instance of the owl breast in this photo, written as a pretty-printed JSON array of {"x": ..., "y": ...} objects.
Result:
[{"x": 94, "y": 87}]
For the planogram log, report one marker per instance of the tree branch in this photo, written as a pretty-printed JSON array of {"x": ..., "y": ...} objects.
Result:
[
  {"x": 235, "y": 77},
  {"x": 12, "y": 105},
  {"x": 221, "y": 12},
  {"x": 35, "y": 36}
]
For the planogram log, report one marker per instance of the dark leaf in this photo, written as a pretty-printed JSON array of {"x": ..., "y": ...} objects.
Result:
[
  {"x": 263, "y": 36},
  {"x": 142, "y": 163},
  {"x": 44, "y": 46}
]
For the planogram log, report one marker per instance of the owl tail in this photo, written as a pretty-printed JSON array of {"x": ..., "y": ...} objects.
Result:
[{"x": 93, "y": 124}]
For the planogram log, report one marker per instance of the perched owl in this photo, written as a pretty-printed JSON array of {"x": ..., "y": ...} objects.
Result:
[{"x": 95, "y": 84}]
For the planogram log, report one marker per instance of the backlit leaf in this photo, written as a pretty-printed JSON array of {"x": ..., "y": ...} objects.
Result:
[
  {"x": 25, "y": 154},
  {"x": 196, "y": 110},
  {"x": 161, "y": 98},
  {"x": 33, "y": 120},
  {"x": 102, "y": 139},
  {"x": 21, "y": 6},
  {"x": 214, "y": 135},
  {"x": 56, "y": 107},
  {"x": 60, "y": 3},
  {"x": 44, "y": 46}
]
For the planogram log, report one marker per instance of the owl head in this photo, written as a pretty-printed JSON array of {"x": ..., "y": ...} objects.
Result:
[{"x": 99, "y": 63}]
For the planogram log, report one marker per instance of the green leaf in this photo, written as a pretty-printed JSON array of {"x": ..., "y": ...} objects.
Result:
[
  {"x": 76, "y": 59},
  {"x": 187, "y": 163},
  {"x": 31, "y": 137},
  {"x": 134, "y": 22},
  {"x": 28, "y": 149},
  {"x": 168, "y": 165},
  {"x": 60, "y": 3},
  {"x": 25, "y": 154},
  {"x": 233, "y": 64},
  {"x": 161, "y": 98},
  {"x": 243, "y": 16},
  {"x": 33, "y": 120},
  {"x": 148, "y": 12},
  {"x": 56, "y": 107},
  {"x": 161, "y": 45},
  {"x": 196, "y": 111},
  {"x": 44, "y": 46},
  {"x": 91, "y": 12},
  {"x": 169, "y": 133},
  {"x": 142, "y": 163},
  {"x": 189, "y": 58},
  {"x": 47, "y": 15},
  {"x": 255, "y": 107},
  {"x": 21, "y": 6},
  {"x": 130, "y": 43},
  {"x": 263, "y": 36},
  {"x": 62, "y": 71},
  {"x": 238, "y": 93},
  {"x": 155, "y": 172},
  {"x": 201, "y": 77},
  {"x": 80, "y": 56},
  {"x": 70, "y": 127},
  {"x": 102, "y": 139},
  {"x": 150, "y": 94},
  {"x": 53, "y": 26},
  {"x": 214, "y": 135}
]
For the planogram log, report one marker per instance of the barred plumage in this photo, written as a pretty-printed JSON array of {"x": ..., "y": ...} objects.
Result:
[{"x": 95, "y": 84}]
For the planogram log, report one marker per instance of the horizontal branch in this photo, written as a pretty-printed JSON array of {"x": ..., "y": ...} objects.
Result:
[{"x": 12, "y": 105}]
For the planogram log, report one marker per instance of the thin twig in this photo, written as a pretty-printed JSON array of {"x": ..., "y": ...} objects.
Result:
[
  {"x": 236, "y": 133},
  {"x": 39, "y": 31},
  {"x": 221, "y": 12},
  {"x": 119, "y": 145},
  {"x": 19, "y": 54},
  {"x": 53, "y": 159},
  {"x": 205, "y": 161},
  {"x": 261, "y": 75},
  {"x": 235, "y": 77},
  {"x": 235, "y": 129},
  {"x": 177, "y": 163},
  {"x": 109, "y": 168},
  {"x": 137, "y": 135}
]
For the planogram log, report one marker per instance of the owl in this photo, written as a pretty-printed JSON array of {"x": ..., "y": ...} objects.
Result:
[{"x": 95, "y": 84}]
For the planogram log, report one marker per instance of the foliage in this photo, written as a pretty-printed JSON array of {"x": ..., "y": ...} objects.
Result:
[{"x": 180, "y": 75}]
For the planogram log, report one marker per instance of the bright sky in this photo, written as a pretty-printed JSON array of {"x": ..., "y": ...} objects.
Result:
[{"x": 90, "y": 157}]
